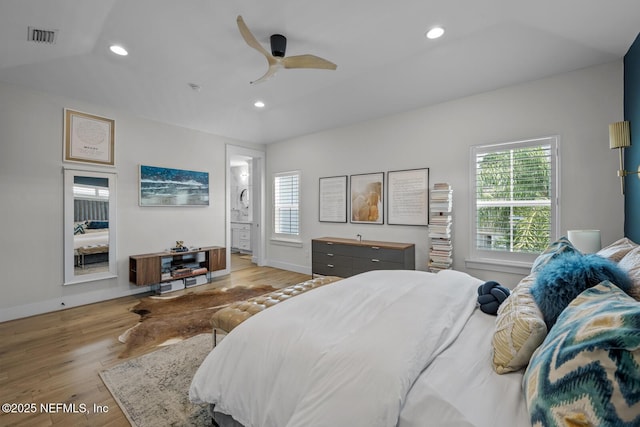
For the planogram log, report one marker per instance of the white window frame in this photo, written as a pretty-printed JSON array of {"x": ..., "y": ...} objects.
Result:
[
  {"x": 505, "y": 261},
  {"x": 287, "y": 239}
]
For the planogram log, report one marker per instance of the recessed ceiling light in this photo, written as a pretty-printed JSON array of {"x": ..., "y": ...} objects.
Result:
[
  {"x": 118, "y": 50},
  {"x": 259, "y": 104},
  {"x": 435, "y": 33}
]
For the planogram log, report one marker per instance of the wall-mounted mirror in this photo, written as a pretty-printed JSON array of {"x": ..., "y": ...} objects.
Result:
[
  {"x": 89, "y": 226},
  {"x": 244, "y": 197}
]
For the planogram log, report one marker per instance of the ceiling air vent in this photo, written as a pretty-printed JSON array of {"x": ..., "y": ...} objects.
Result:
[{"x": 42, "y": 36}]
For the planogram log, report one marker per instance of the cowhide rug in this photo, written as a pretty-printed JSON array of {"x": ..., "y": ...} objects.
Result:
[{"x": 166, "y": 320}]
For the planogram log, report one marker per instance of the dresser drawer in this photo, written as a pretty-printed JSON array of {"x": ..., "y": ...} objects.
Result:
[
  {"x": 376, "y": 252},
  {"x": 330, "y": 269},
  {"x": 360, "y": 265},
  {"x": 331, "y": 248},
  {"x": 336, "y": 259}
]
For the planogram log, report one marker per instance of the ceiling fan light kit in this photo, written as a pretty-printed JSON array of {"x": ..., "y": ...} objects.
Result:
[{"x": 276, "y": 59}]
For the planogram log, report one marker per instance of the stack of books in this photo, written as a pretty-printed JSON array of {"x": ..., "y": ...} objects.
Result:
[{"x": 440, "y": 206}]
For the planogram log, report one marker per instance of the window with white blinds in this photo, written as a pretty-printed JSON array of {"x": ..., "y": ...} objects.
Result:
[
  {"x": 286, "y": 204},
  {"x": 514, "y": 193}
]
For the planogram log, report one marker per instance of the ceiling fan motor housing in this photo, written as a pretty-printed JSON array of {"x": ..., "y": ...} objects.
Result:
[{"x": 278, "y": 45}]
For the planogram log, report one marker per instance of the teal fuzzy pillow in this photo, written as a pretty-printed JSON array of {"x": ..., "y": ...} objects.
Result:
[
  {"x": 587, "y": 370},
  {"x": 566, "y": 276}
]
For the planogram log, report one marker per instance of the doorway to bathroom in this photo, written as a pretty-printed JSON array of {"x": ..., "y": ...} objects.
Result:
[{"x": 245, "y": 202}]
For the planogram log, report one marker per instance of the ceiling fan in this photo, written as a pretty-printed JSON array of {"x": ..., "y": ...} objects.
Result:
[{"x": 276, "y": 58}]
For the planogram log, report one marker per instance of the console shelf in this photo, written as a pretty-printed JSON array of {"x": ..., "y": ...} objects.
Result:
[{"x": 160, "y": 268}]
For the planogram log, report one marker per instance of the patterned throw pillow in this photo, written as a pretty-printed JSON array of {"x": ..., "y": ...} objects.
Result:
[
  {"x": 520, "y": 326},
  {"x": 520, "y": 329},
  {"x": 618, "y": 249},
  {"x": 587, "y": 371},
  {"x": 631, "y": 264},
  {"x": 78, "y": 229},
  {"x": 554, "y": 250}
]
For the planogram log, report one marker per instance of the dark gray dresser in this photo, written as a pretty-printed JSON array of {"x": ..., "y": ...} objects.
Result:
[{"x": 334, "y": 256}]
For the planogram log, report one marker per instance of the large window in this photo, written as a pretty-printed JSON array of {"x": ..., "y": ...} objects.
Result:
[
  {"x": 286, "y": 205},
  {"x": 514, "y": 199}
]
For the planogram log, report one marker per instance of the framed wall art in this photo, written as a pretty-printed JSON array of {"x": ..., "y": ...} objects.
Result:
[
  {"x": 333, "y": 199},
  {"x": 367, "y": 202},
  {"x": 173, "y": 187},
  {"x": 408, "y": 197},
  {"x": 88, "y": 138}
]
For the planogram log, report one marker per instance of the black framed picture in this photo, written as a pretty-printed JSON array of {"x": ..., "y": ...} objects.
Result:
[
  {"x": 333, "y": 199},
  {"x": 408, "y": 197},
  {"x": 367, "y": 198}
]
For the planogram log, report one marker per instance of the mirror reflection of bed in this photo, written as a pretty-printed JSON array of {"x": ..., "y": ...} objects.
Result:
[
  {"x": 91, "y": 247},
  {"x": 91, "y": 225}
]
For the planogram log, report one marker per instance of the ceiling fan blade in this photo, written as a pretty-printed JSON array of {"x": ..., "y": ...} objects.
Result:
[
  {"x": 270, "y": 72},
  {"x": 251, "y": 40},
  {"x": 308, "y": 61}
]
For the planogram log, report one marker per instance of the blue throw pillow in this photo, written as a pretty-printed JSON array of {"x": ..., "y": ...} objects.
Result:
[
  {"x": 565, "y": 277},
  {"x": 97, "y": 225},
  {"x": 586, "y": 371}
]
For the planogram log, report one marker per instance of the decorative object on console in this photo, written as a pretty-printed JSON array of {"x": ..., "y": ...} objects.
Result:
[
  {"x": 586, "y": 241},
  {"x": 620, "y": 137},
  {"x": 180, "y": 247},
  {"x": 440, "y": 254}
]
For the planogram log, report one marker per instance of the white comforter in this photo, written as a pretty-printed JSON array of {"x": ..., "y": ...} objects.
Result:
[{"x": 345, "y": 354}]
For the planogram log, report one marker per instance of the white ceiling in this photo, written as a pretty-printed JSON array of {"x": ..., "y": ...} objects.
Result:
[{"x": 385, "y": 64}]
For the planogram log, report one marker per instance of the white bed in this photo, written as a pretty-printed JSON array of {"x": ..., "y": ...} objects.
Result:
[{"x": 383, "y": 348}]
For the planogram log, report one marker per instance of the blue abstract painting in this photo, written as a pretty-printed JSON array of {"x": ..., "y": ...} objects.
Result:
[{"x": 173, "y": 187}]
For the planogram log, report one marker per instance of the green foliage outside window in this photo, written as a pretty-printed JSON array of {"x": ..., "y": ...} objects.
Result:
[{"x": 513, "y": 189}]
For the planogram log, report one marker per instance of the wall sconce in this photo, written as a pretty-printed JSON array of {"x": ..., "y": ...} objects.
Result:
[{"x": 620, "y": 137}]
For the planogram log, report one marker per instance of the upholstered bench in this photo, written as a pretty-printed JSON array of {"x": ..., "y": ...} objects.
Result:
[{"x": 231, "y": 316}]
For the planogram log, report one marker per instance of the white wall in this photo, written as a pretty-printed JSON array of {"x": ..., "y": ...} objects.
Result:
[
  {"x": 31, "y": 189},
  {"x": 578, "y": 106}
]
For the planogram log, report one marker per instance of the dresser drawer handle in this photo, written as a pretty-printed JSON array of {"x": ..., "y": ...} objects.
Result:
[
  {"x": 375, "y": 248},
  {"x": 375, "y": 260},
  {"x": 329, "y": 254},
  {"x": 329, "y": 243},
  {"x": 330, "y": 265}
]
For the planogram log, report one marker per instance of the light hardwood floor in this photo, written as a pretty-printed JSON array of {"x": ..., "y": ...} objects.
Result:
[{"x": 55, "y": 358}]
